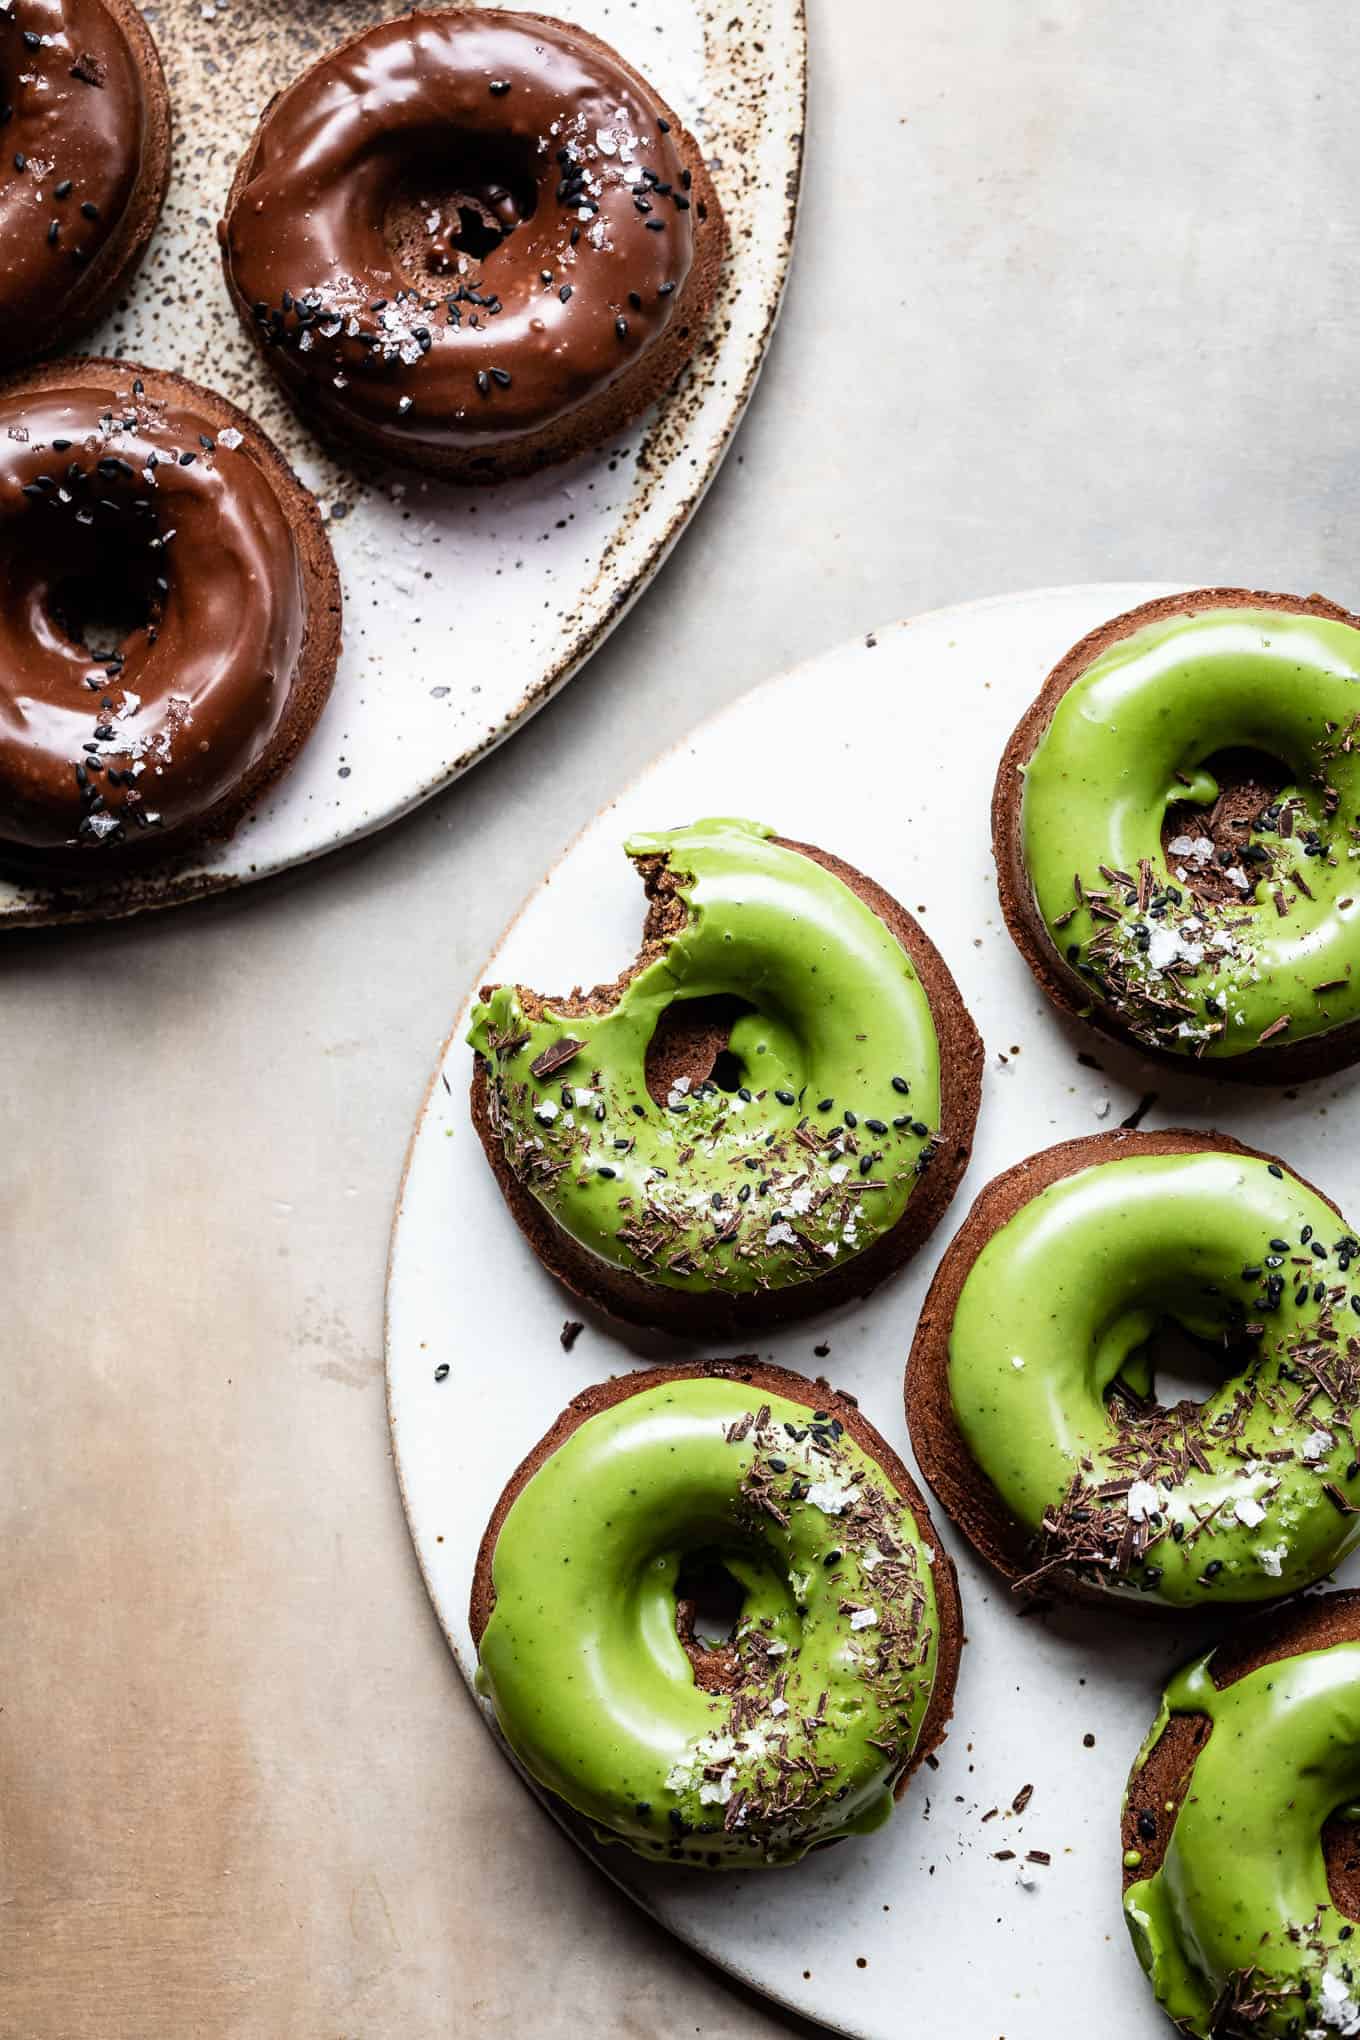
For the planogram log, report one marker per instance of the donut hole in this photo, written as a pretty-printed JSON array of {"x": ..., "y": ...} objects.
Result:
[
  {"x": 451, "y": 211},
  {"x": 713, "y": 1596},
  {"x": 1248, "y": 782},
  {"x": 1172, "y": 1369},
  {"x": 103, "y": 598},
  {"x": 692, "y": 1042},
  {"x": 709, "y": 1600}
]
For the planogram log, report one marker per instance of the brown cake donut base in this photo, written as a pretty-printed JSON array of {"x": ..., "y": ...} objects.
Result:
[
  {"x": 315, "y": 673},
  {"x": 954, "y": 1477},
  {"x": 627, "y": 1295},
  {"x": 1169, "y": 1772},
  {"x": 1279, "y": 1062},
  {"x": 762, "y": 1380},
  {"x": 591, "y": 423},
  {"x": 118, "y": 261}
]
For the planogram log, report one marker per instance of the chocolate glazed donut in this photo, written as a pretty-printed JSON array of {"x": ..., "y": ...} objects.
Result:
[
  {"x": 475, "y": 241},
  {"x": 85, "y": 122},
  {"x": 148, "y": 517}
]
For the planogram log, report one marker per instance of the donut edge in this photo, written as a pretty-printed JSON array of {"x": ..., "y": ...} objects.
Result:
[
  {"x": 955, "y": 1479},
  {"x": 763, "y": 1378},
  {"x": 1316, "y": 1055},
  {"x": 623, "y": 1294},
  {"x": 1167, "y": 1772},
  {"x": 314, "y": 674},
  {"x": 583, "y": 430},
  {"x": 118, "y": 261}
]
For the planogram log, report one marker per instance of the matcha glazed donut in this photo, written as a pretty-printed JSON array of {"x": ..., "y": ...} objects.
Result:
[
  {"x": 838, "y": 1677},
  {"x": 1030, "y": 1394},
  {"x": 1240, "y": 1862},
  {"x": 1176, "y": 824},
  {"x": 763, "y": 1117}
]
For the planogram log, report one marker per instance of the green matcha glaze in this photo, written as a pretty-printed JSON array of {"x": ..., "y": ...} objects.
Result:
[
  {"x": 835, "y": 1659},
  {"x": 1127, "y": 741},
  {"x": 815, "y": 1154},
  {"x": 1239, "y": 1912},
  {"x": 1241, "y": 1498}
]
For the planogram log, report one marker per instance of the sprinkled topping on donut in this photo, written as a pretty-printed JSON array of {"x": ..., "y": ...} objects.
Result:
[
  {"x": 83, "y": 162},
  {"x": 1062, "y": 1278},
  {"x": 1182, "y": 847},
  {"x": 793, "y": 1728},
  {"x": 816, "y": 1121},
  {"x": 465, "y": 298},
  {"x": 158, "y": 615}
]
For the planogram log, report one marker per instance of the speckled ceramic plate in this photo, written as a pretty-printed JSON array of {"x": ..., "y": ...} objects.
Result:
[
  {"x": 884, "y": 752},
  {"x": 465, "y": 609}
]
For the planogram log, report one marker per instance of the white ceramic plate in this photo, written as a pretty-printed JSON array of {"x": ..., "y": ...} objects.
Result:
[
  {"x": 883, "y": 751},
  {"x": 465, "y": 609}
]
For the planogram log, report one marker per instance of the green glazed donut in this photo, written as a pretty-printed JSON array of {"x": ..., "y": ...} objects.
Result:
[
  {"x": 1030, "y": 1390},
  {"x": 773, "y": 1159},
  {"x": 1177, "y": 823},
  {"x": 1240, "y": 1891},
  {"x": 839, "y": 1674}
]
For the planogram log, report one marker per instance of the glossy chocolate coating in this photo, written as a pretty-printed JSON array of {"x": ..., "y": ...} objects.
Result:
[
  {"x": 72, "y": 131},
  {"x": 100, "y": 485},
  {"x": 373, "y": 306}
]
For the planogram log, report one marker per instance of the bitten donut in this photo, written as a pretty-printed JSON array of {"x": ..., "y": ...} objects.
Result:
[
  {"x": 476, "y": 241},
  {"x": 85, "y": 125},
  {"x": 148, "y": 517},
  {"x": 1241, "y": 1876},
  {"x": 764, "y": 1116},
  {"x": 1031, "y": 1394},
  {"x": 771, "y": 1499},
  {"x": 1175, "y": 822}
]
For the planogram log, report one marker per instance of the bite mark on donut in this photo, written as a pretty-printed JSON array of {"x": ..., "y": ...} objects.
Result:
[{"x": 623, "y": 1294}]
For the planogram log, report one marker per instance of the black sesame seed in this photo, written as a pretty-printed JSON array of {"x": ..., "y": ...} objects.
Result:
[
  {"x": 785, "y": 1097},
  {"x": 621, "y": 327},
  {"x": 499, "y": 87}
]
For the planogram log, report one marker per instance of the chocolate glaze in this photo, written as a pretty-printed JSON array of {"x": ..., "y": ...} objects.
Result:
[
  {"x": 375, "y": 180},
  {"x": 98, "y": 754},
  {"x": 72, "y": 113}
]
